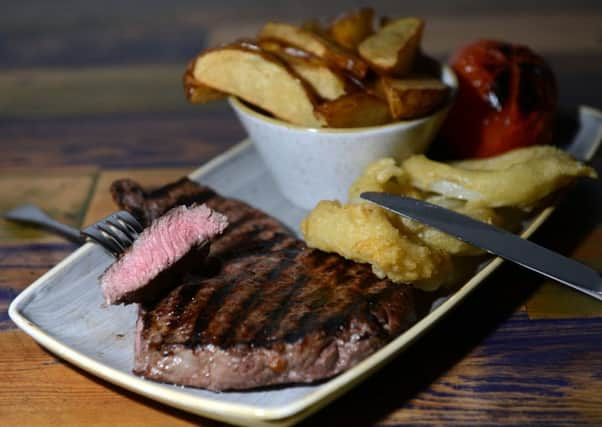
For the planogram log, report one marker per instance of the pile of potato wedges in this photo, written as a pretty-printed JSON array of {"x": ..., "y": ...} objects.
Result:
[{"x": 349, "y": 73}]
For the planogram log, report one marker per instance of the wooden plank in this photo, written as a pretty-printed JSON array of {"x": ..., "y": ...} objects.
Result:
[
  {"x": 445, "y": 33},
  {"x": 20, "y": 265},
  {"x": 63, "y": 92},
  {"x": 63, "y": 193},
  {"x": 102, "y": 204},
  {"x": 545, "y": 32},
  {"x": 526, "y": 373},
  {"x": 41, "y": 390},
  {"x": 553, "y": 301},
  {"x": 79, "y": 35},
  {"x": 483, "y": 365},
  {"x": 23, "y": 263},
  {"x": 120, "y": 141},
  {"x": 150, "y": 79}
]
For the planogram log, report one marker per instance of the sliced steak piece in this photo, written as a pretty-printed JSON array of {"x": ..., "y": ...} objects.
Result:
[
  {"x": 265, "y": 309},
  {"x": 173, "y": 243}
]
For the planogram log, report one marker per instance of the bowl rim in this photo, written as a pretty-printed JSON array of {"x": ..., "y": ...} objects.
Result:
[{"x": 238, "y": 104}]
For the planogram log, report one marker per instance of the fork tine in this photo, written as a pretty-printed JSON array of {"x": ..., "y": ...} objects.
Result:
[
  {"x": 133, "y": 231},
  {"x": 126, "y": 233},
  {"x": 115, "y": 232},
  {"x": 130, "y": 220},
  {"x": 97, "y": 235},
  {"x": 112, "y": 235}
]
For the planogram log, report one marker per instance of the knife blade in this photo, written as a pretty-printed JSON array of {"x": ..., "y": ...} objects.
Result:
[{"x": 496, "y": 241}]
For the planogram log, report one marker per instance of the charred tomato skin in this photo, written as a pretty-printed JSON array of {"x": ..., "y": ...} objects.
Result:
[{"x": 507, "y": 98}]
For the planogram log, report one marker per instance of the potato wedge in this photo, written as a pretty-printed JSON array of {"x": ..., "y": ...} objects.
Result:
[
  {"x": 352, "y": 28},
  {"x": 197, "y": 92},
  {"x": 354, "y": 110},
  {"x": 414, "y": 97},
  {"x": 315, "y": 44},
  {"x": 260, "y": 79},
  {"x": 315, "y": 26},
  {"x": 329, "y": 84},
  {"x": 393, "y": 48},
  {"x": 326, "y": 82}
]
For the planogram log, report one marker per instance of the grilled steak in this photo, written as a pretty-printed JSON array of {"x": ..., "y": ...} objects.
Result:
[
  {"x": 265, "y": 310},
  {"x": 147, "y": 206},
  {"x": 177, "y": 241}
]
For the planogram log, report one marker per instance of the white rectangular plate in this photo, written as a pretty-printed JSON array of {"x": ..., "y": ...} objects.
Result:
[{"x": 64, "y": 312}]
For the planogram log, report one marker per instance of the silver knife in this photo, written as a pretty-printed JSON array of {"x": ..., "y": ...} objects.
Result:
[
  {"x": 496, "y": 241},
  {"x": 502, "y": 243}
]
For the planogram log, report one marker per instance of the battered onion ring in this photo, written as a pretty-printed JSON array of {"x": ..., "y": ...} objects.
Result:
[
  {"x": 383, "y": 175},
  {"x": 387, "y": 176},
  {"x": 440, "y": 240},
  {"x": 364, "y": 233},
  {"x": 518, "y": 178}
]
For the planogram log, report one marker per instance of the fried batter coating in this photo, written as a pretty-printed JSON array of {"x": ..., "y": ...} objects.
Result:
[
  {"x": 517, "y": 178},
  {"x": 407, "y": 251},
  {"x": 387, "y": 176},
  {"x": 508, "y": 159},
  {"x": 383, "y": 175},
  {"x": 440, "y": 240},
  {"x": 364, "y": 233}
]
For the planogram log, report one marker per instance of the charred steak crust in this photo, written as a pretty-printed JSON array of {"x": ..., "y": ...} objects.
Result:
[
  {"x": 266, "y": 310},
  {"x": 316, "y": 317},
  {"x": 147, "y": 206}
]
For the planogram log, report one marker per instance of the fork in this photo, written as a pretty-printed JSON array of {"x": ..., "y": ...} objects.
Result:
[{"x": 115, "y": 233}]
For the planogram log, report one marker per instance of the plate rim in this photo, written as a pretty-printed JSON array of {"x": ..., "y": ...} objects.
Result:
[{"x": 286, "y": 414}]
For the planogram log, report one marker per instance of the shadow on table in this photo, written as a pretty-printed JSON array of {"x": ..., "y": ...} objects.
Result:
[{"x": 446, "y": 344}]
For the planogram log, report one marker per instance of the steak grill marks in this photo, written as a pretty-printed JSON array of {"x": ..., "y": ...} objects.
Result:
[
  {"x": 253, "y": 302},
  {"x": 264, "y": 306},
  {"x": 247, "y": 309},
  {"x": 302, "y": 304}
]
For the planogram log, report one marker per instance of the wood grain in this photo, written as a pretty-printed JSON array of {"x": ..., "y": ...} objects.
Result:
[
  {"x": 62, "y": 192},
  {"x": 77, "y": 34},
  {"x": 21, "y": 264},
  {"x": 93, "y": 90},
  {"x": 163, "y": 140},
  {"x": 575, "y": 230},
  {"x": 476, "y": 369},
  {"x": 102, "y": 204},
  {"x": 40, "y": 390},
  {"x": 72, "y": 63},
  {"x": 553, "y": 301}
]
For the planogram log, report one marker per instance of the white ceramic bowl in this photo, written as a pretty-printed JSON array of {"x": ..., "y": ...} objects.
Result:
[{"x": 310, "y": 164}]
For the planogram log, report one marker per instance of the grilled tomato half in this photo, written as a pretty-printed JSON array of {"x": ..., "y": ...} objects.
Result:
[{"x": 507, "y": 99}]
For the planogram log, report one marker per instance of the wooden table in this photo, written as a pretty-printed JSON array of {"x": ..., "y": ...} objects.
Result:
[{"x": 90, "y": 92}]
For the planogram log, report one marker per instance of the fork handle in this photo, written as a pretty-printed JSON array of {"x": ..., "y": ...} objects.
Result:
[
  {"x": 66, "y": 231},
  {"x": 33, "y": 215}
]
